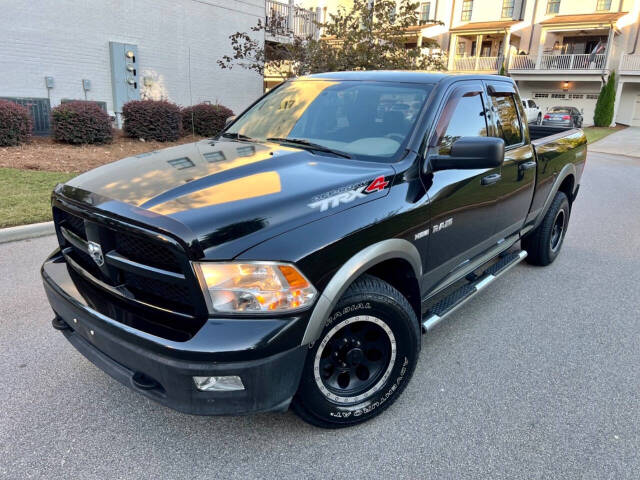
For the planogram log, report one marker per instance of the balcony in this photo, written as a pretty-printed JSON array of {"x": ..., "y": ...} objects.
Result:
[
  {"x": 284, "y": 21},
  {"x": 558, "y": 62},
  {"x": 630, "y": 64},
  {"x": 477, "y": 64}
]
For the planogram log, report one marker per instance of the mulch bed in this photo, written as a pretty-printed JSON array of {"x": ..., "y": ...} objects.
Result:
[{"x": 43, "y": 153}]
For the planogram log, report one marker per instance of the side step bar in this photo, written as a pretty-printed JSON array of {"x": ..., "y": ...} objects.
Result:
[{"x": 443, "y": 308}]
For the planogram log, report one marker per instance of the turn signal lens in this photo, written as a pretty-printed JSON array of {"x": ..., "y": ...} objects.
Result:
[{"x": 259, "y": 287}]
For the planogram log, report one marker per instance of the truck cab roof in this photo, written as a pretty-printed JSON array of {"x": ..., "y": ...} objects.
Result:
[{"x": 422, "y": 77}]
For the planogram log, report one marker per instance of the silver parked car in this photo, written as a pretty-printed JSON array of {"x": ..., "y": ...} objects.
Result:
[{"x": 562, "y": 117}]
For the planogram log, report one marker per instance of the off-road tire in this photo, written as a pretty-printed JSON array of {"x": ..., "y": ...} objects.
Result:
[
  {"x": 540, "y": 244},
  {"x": 368, "y": 299}
]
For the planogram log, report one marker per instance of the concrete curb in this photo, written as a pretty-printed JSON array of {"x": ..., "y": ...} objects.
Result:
[{"x": 22, "y": 232}]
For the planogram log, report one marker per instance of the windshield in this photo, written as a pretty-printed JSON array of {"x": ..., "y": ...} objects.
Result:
[
  {"x": 361, "y": 119},
  {"x": 560, "y": 110}
]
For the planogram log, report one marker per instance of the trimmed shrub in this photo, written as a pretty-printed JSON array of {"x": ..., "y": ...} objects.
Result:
[
  {"x": 81, "y": 122},
  {"x": 152, "y": 120},
  {"x": 204, "y": 119},
  {"x": 16, "y": 124},
  {"x": 603, "y": 114}
]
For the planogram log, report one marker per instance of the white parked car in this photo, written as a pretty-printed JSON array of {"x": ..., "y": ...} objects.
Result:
[{"x": 533, "y": 112}]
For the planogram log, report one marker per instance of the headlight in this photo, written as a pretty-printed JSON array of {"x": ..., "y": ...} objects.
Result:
[{"x": 257, "y": 287}]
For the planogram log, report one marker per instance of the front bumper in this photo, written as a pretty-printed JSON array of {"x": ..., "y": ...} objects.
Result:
[{"x": 168, "y": 367}]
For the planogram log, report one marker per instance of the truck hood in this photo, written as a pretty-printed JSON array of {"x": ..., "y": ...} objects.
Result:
[{"x": 226, "y": 190}]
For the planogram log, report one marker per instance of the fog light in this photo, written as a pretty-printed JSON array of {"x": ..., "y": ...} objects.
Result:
[{"x": 219, "y": 384}]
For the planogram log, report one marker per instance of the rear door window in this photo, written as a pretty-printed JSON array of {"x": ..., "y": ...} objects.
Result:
[
  {"x": 508, "y": 122},
  {"x": 463, "y": 116}
]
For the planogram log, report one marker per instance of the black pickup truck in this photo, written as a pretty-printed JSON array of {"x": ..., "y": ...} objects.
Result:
[{"x": 295, "y": 259}]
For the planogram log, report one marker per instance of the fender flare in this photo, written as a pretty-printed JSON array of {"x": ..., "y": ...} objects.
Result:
[
  {"x": 352, "y": 269},
  {"x": 568, "y": 169}
]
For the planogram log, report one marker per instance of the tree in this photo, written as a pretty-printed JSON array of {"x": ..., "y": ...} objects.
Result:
[
  {"x": 363, "y": 37},
  {"x": 502, "y": 71},
  {"x": 603, "y": 114}
]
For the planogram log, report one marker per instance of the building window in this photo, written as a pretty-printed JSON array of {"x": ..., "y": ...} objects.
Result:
[
  {"x": 553, "y": 6},
  {"x": 461, "y": 48},
  {"x": 507, "y": 8},
  {"x": 425, "y": 10},
  {"x": 603, "y": 5},
  {"x": 467, "y": 6}
]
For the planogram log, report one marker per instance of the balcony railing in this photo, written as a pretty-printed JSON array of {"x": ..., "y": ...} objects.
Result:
[
  {"x": 584, "y": 61},
  {"x": 630, "y": 63},
  {"x": 287, "y": 20},
  {"x": 469, "y": 64}
]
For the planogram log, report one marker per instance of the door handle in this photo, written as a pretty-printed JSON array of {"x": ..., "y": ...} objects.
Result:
[
  {"x": 528, "y": 165},
  {"x": 491, "y": 179}
]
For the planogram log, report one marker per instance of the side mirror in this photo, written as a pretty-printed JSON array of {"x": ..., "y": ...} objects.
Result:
[
  {"x": 468, "y": 153},
  {"x": 229, "y": 120}
]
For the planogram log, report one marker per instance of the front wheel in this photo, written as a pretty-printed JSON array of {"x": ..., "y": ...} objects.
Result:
[
  {"x": 544, "y": 243},
  {"x": 539, "y": 120},
  {"x": 363, "y": 359}
]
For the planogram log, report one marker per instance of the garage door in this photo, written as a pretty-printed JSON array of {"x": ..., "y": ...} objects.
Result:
[
  {"x": 585, "y": 102},
  {"x": 636, "y": 113}
]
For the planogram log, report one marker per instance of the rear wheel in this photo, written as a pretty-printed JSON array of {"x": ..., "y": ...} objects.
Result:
[
  {"x": 363, "y": 359},
  {"x": 544, "y": 243}
]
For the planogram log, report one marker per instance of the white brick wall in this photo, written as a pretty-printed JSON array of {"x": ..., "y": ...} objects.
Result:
[{"x": 69, "y": 40}]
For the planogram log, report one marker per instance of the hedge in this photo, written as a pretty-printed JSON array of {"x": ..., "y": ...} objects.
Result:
[
  {"x": 152, "y": 120},
  {"x": 16, "y": 124},
  {"x": 81, "y": 122},
  {"x": 204, "y": 119}
]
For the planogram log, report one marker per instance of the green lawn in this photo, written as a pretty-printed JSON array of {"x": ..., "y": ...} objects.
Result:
[
  {"x": 25, "y": 196},
  {"x": 596, "y": 133}
]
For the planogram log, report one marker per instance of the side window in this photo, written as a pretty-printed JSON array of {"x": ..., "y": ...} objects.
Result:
[
  {"x": 532, "y": 104},
  {"x": 463, "y": 116},
  {"x": 507, "y": 121}
]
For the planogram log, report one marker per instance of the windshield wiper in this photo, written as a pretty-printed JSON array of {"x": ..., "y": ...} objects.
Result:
[
  {"x": 310, "y": 145},
  {"x": 237, "y": 136}
]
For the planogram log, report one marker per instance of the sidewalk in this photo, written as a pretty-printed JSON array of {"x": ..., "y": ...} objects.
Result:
[{"x": 625, "y": 142}]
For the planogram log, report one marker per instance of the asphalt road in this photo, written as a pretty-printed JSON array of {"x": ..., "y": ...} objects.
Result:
[{"x": 537, "y": 377}]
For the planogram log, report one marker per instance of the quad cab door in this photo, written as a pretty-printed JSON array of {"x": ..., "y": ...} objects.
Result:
[
  {"x": 462, "y": 200},
  {"x": 516, "y": 186}
]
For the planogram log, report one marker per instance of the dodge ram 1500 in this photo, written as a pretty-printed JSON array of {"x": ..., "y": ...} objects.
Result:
[{"x": 296, "y": 258}]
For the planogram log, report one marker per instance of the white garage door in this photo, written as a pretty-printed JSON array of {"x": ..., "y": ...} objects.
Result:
[
  {"x": 585, "y": 102},
  {"x": 636, "y": 113}
]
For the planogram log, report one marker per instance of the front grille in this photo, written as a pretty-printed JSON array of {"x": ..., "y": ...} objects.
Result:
[
  {"x": 142, "y": 251},
  {"x": 73, "y": 223},
  {"x": 158, "y": 292},
  {"x": 133, "y": 281}
]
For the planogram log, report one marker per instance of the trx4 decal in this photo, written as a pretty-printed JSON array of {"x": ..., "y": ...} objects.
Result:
[{"x": 348, "y": 194}]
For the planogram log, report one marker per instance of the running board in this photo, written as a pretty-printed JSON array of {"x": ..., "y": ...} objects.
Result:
[{"x": 443, "y": 308}]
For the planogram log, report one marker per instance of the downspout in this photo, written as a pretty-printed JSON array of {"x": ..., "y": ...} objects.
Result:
[
  {"x": 453, "y": 9},
  {"x": 635, "y": 42},
  {"x": 533, "y": 25}
]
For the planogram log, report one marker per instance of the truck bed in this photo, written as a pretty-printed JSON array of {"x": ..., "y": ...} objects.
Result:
[{"x": 555, "y": 148}]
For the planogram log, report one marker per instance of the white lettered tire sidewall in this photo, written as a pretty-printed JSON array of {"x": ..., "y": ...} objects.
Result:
[{"x": 406, "y": 334}]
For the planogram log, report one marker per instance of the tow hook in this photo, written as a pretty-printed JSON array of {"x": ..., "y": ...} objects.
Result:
[{"x": 59, "y": 324}]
